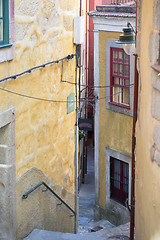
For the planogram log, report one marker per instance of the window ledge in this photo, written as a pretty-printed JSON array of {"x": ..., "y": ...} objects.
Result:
[
  {"x": 156, "y": 67},
  {"x": 6, "y": 45},
  {"x": 6, "y": 52},
  {"x": 120, "y": 105},
  {"x": 119, "y": 109}
]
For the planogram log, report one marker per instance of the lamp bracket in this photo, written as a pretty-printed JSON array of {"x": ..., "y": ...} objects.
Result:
[{"x": 130, "y": 25}]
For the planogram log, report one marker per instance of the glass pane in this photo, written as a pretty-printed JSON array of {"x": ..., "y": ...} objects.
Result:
[
  {"x": 1, "y": 12},
  {"x": 121, "y": 69},
  {"x": 120, "y": 95},
  {"x": 1, "y": 29},
  {"x": 115, "y": 56},
  {"x": 126, "y": 71},
  {"x": 126, "y": 96},
  {"x": 116, "y": 80},
  {"x": 117, "y": 174},
  {"x": 120, "y": 56},
  {"x": 125, "y": 170},
  {"x": 122, "y": 81},
  {"x": 115, "y": 94},
  {"x": 115, "y": 68},
  {"x": 127, "y": 83},
  {"x": 126, "y": 58},
  {"x": 125, "y": 177}
]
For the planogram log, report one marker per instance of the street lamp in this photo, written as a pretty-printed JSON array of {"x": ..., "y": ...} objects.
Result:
[{"x": 128, "y": 39}]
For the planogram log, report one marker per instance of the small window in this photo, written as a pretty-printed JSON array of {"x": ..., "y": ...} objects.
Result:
[
  {"x": 120, "y": 78},
  {"x": 4, "y": 22},
  {"x": 119, "y": 179}
]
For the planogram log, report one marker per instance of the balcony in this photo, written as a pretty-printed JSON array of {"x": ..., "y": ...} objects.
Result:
[{"x": 116, "y": 2}]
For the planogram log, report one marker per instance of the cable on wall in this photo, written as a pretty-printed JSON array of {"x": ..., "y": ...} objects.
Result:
[
  {"x": 69, "y": 57},
  {"x": 58, "y": 101}
]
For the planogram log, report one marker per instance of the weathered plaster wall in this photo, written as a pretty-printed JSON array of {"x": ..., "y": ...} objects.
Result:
[
  {"x": 115, "y": 128},
  {"x": 44, "y": 132},
  {"x": 147, "y": 193},
  {"x": 42, "y": 209}
]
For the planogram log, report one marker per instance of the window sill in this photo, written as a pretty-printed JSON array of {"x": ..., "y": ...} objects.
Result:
[
  {"x": 156, "y": 67},
  {"x": 119, "y": 109},
  {"x": 120, "y": 105},
  {"x": 6, "y": 52},
  {"x": 6, "y": 45}
]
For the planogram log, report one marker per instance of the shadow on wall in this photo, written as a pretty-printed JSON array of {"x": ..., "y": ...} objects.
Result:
[{"x": 41, "y": 209}]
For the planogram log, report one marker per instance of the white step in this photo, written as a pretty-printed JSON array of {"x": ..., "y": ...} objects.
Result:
[
  {"x": 112, "y": 233},
  {"x": 48, "y": 235}
]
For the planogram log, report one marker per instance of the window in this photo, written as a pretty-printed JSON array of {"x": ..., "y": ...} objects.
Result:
[
  {"x": 6, "y": 30},
  {"x": 119, "y": 180},
  {"x": 120, "y": 77},
  {"x": 4, "y": 22},
  {"x": 119, "y": 74}
]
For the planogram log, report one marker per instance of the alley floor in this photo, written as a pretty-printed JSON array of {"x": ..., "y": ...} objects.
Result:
[
  {"x": 87, "y": 195},
  {"x": 86, "y": 206}
]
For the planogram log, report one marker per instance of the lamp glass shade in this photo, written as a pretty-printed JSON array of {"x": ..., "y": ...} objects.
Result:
[
  {"x": 129, "y": 48},
  {"x": 127, "y": 38}
]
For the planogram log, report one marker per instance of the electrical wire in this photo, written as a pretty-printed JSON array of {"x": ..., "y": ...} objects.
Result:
[
  {"x": 57, "y": 101},
  {"x": 36, "y": 98},
  {"x": 69, "y": 57},
  {"x": 90, "y": 85}
]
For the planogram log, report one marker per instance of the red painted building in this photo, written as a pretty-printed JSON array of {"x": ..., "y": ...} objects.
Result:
[{"x": 92, "y": 6}]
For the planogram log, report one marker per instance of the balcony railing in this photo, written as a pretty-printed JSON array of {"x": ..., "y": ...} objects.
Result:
[
  {"x": 118, "y": 2},
  {"x": 115, "y": 2}
]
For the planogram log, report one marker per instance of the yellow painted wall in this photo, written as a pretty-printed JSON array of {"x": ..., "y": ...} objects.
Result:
[
  {"x": 44, "y": 132},
  {"x": 147, "y": 191},
  {"x": 45, "y": 135},
  {"x": 115, "y": 129}
]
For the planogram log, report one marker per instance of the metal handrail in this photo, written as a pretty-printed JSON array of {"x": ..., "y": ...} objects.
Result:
[{"x": 25, "y": 196}]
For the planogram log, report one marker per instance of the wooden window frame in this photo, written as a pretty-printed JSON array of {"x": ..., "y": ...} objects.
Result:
[
  {"x": 5, "y": 18},
  {"x": 118, "y": 194},
  {"x": 118, "y": 75}
]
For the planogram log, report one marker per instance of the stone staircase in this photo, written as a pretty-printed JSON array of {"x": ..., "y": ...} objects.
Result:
[{"x": 102, "y": 230}]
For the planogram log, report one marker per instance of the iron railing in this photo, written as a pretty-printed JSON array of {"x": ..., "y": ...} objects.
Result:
[
  {"x": 25, "y": 196},
  {"x": 118, "y": 2}
]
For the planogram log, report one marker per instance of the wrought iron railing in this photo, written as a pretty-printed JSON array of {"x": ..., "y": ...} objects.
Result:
[
  {"x": 25, "y": 196},
  {"x": 118, "y": 2}
]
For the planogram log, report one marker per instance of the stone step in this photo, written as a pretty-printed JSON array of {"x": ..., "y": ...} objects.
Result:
[
  {"x": 102, "y": 224},
  {"x": 121, "y": 232},
  {"x": 87, "y": 225},
  {"x": 109, "y": 233},
  {"x": 38, "y": 234}
]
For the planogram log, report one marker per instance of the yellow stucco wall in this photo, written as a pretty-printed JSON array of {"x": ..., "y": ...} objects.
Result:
[
  {"x": 115, "y": 129},
  {"x": 44, "y": 132},
  {"x": 147, "y": 193}
]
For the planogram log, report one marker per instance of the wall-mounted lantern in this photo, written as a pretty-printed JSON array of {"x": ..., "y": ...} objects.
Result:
[{"x": 128, "y": 39}]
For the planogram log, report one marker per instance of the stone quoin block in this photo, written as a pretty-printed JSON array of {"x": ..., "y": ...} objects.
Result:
[{"x": 155, "y": 109}]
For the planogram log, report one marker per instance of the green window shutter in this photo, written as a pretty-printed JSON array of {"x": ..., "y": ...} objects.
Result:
[{"x": 5, "y": 22}]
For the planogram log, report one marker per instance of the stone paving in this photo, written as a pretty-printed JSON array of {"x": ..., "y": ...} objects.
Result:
[
  {"x": 86, "y": 208},
  {"x": 87, "y": 196}
]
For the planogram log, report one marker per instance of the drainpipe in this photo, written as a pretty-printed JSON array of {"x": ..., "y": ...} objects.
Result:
[
  {"x": 76, "y": 131},
  {"x": 76, "y": 145},
  {"x": 132, "y": 217},
  {"x": 87, "y": 2}
]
